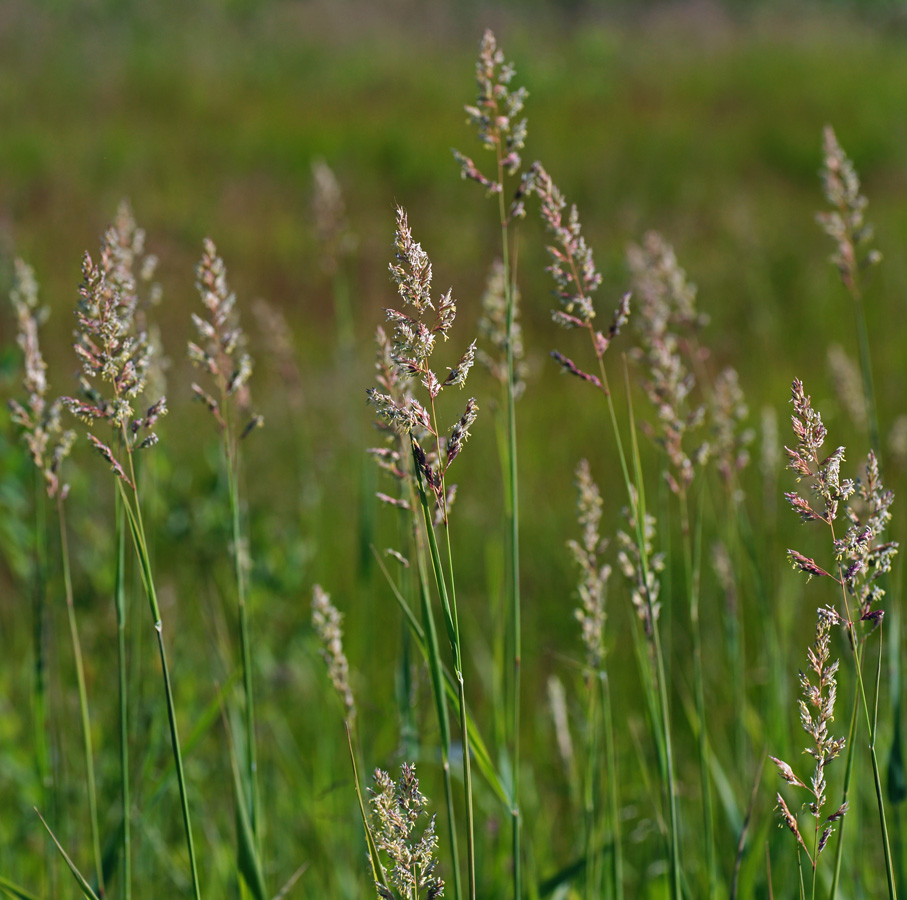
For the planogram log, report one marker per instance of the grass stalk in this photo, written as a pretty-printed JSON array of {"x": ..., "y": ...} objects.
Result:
[
  {"x": 692, "y": 587},
  {"x": 617, "y": 854},
  {"x": 448, "y": 605},
  {"x": 857, "y": 646},
  {"x": 512, "y": 516},
  {"x": 232, "y": 454},
  {"x": 665, "y": 748},
  {"x": 134, "y": 516},
  {"x": 592, "y": 847},
  {"x": 39, "y": 686},
  {"x": 123, "y": 683},
  {"x": 83, "y": 696}
]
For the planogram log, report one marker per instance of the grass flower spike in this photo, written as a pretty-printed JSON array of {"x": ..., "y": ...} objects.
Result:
[
  {"x": 48, "y": 442},
  {"x": 326, "y": 619},
  {"x": 494, "y": 116},
  {"x": 396, "y": 811},
  {"x": 817, "y": 707},
  {"x": 409, "y": 352}
]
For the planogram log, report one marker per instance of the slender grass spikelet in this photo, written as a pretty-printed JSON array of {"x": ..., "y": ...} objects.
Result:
[
  {"x": 326, "y": 619},
  {"x": 818, "y": 687},
  {"x": 594, "y": 575},
  {"x": 41, "y": 423}
]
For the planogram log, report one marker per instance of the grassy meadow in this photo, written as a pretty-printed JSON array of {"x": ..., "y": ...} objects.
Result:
[{"x": 634, "y": 738}]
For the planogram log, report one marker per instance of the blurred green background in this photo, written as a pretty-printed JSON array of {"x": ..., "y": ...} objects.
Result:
[{"x": 702, "y": 120}]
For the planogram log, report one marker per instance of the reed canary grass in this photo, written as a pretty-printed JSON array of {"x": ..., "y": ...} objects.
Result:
[
  {"x": 666, "y": 305},
  {"x": 861, "y": 557},
  {"x": 414, "y": 340},
  {"x": 594, "y": 576},
  {"x": 48, "y": 445},
  {"x": 576, "y": 278},
  {"x": 817, "y": 711},
  {"x": 397, "y": 808},
  {"x": 221, "y": 356},
  {"x": 494, "y": 115},
  {"x": 115, "y": 361}
]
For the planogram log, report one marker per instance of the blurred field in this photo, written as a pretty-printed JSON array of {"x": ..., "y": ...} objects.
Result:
[{"x": 699, "y": 120}]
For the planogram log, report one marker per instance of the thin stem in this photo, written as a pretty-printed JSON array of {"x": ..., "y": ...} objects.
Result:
[
  {"x": 848, "y": 772},
  {"x": 244, "y": 638},
  {"x": 617, "y": 855},
  {"x": 592, "y": 886},
  {"x": 856, "y": 647},
  {"x": 134, "y": 515},
  {"x": 513, "y": 516},
  {"x": 83, "y": 697},
  {"x": 39, "y": 687},
  {"x": 665, "y": 748},
  {"x": 448, "y": 604},
  {"x": 702, "y": 733},
  {"x": 120, "y": 604}
]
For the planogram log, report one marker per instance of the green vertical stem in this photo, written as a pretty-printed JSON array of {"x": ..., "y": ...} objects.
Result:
[
  {"x": 120, "y": 604},
  {"x": 513, "y": 557},
  {"x": 137, "y": 529},
  {"x": 39, "y": 687},
  {"x": 448, "y": 605},
  {"x": 244, "y": 638},
  {"x": 848, "y": 772},
  {"x": 692, "y": 586},
  {"x": 617, "y": 854},
  {"x": 592, "y": 881},
  {"x": 83, "y": 697},
  {"x": 437, "y": 679},
  {"x": 857, "y": 647},
  {"x": 665, "y": 749}
]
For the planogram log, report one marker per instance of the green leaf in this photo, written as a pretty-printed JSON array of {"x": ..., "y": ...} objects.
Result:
[
  {"x": 15, "y": 891},
  {"x": 86, "y": 887}
]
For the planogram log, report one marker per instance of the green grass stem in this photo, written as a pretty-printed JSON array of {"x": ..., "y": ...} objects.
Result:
[
  {"x": 136, "y": 528},
  {"x": 83, "y": 697},
  {"x": 123, "y": 683}
]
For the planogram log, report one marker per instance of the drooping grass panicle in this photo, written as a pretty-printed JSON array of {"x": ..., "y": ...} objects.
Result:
[
  {"x": 594, "y": 574},
  {"x": 326, "y": 620},
  {"x": 219, "y": 351},
  {"x": 494, "y": 116},
  {"x": 42, "y": 428},
  {"x": 397, "y": 808},
  {"x": 818, "y": 686}
]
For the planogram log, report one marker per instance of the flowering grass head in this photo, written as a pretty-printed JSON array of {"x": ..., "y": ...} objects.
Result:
[
  {"x": 494, "y": 116},
  {"x": 219, "y": 351},
  {"x": 326, "y": 620},
  {"x": 396, "y": 811},
  {"x": 845, "y": 224},
  {"x": 408, "y": 355},
  {"x": 817, "y": 706},
  {"x": 114, "y": 350},
  {"x": 594, "y": 575},
  {"x": 48, "y": 442}
]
